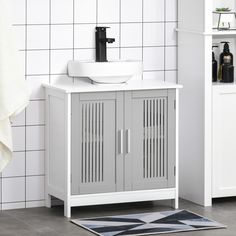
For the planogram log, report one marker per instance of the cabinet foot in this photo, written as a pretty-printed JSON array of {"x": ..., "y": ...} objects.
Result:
[
  {"x": 67, "y": 210},
  {"x": 48, "y": 201},
  {"x": 175, "y": 203}
]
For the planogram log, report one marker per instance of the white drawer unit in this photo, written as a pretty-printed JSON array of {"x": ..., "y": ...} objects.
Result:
[{"x": 111, "y": 146}]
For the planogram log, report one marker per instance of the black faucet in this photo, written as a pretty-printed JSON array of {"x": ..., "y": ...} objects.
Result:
[{"x": 101, "y": 44}]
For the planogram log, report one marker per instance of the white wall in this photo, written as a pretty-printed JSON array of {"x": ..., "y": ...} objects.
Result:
[{"x": 51, "y": 32}]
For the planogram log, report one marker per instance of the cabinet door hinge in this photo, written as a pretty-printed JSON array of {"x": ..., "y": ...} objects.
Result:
[
  {"x": 174, "y": 170},
  {"x": 175, "y": 104}
]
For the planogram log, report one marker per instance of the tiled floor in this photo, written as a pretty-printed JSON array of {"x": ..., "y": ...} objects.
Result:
[{"x": 50, "y": 222}]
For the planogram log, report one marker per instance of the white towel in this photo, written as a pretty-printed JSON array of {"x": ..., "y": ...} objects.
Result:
[{"x": 14, "y": 92}]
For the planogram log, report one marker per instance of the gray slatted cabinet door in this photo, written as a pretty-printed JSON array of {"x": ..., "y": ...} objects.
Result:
[
  {"x": 94, "y": 143},
  {"x": 150, "y": 135}
]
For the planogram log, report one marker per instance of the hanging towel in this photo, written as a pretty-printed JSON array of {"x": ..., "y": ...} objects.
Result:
[{"x": 14, "y": 92}]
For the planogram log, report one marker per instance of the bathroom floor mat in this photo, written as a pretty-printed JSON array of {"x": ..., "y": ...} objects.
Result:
[{"x": 147, "y": 223}]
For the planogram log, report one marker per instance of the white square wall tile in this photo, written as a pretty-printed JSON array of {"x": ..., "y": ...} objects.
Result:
[
  {"x": 35, "y": 84},
  {"x": 19, "y": 32},
  {"x": 85, "y": 54},
  {"x": 35, "y": 163},
  {"x": 85, "y": 36},
  {"x": 18, "y": 120},
  {"x": 154, "y": 34},
  {"x": 154, "y": 75},
  {"x": 37, "y": 62},
  {"x": 85, "y": 11},
  {"x": 61, "y": 11},
  {"x": 131, "y": 10},
  {"x": 108, "y": 11},
  {"x": 34, "y": 188},
  {"x": 171, "y": 76},
  {"x": 171, "y": 58},
  {"x": 18, "y": 11},
  {"x": 16, "y": 167},
  {"x": 38, "y": 11},
  {"x": 61, "y": 79},
  {"x": 13, "y": 189},
  {"x": 35, "y": 113},
  {"x": 22, "y": 55},
  {"x": 131, "y": 54},
  {"x": 35, "y": 138},
  {"x": 61, "y": 36},
  {"x": 171, "y": 10},
  {"x": 37, "y": 37},
  {"x": 59, "y": 60},
  {"x": 113, "y": 54},
  {"x": 171, "y": 34},
  {"x": 153, "y": 58},
  {"x": 131, "y": 35},
  {"x": 154, "y": 10},
  {"x": 18, "y": 135}
]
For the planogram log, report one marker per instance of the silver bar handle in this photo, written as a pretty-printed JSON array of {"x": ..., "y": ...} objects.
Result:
[
  {"x": 128, "y": 140},
  {"x": 121, "y": 148}
]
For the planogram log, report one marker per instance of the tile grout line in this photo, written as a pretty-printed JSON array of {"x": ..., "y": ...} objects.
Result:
[
  {"x": 93, "y": 23},
  {"x": 26, "y": 66},
  {"x": 164, "y": 40},
  {"x": 143, "y": 36},
  {"x": 96, "y": 12},
  {"x": 120, "y": 5},
  {"x": 50, "y": 38},
  {"x": 73, "y": 79},
  {"x": 86, "y": 48}
]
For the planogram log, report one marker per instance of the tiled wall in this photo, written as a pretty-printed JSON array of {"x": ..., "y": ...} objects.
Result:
[{"x": 51, "y": 32}]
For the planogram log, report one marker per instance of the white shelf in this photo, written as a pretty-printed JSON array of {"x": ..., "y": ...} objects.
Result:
[
  {"x": 224, "y": 84},
  {"x": 213, "y": 32},
  {"x": 223, "y": 32}
]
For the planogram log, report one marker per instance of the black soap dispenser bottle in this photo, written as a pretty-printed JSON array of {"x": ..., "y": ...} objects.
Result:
[
  {"x": 214, "y": 65},
  {"x": 230, "y": 58},
  {"x": 227, "y": 70}
]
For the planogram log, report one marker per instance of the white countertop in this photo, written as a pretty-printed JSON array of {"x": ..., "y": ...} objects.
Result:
[{"x": 84, "y": 86}]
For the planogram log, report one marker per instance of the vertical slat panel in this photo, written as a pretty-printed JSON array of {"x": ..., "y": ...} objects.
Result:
[
  {"x": 148, "y": 139},
  {"x": 86, "y": 156},
  {"x": 93, "y": 142},
  {"x": 102, "y": 163},
  {"x": 165, "y": 138},
  {"x": 82, "y": 144},
  {"x": 151, "y": 138},
  {"x": 154, "y": 139},
  {"x": 144, "y": 139},
  {"x": 159, "y": 132},
  {"x": 92, "y": 161},
  {"x": 96, "y": 143},
  {"x": 89, "y": 164},
  {"x": 99, "y": 146},
  {"x": 162, "y": 113}
]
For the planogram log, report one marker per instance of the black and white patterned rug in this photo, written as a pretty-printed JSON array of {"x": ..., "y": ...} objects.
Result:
[{"x": 147, "y": 223}]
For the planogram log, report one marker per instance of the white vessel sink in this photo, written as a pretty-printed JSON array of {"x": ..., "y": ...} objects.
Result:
[{"x": 112, "y": 72}]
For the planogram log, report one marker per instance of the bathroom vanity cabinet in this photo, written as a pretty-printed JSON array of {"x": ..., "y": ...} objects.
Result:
[
  {"x": 111, "y": 144},
  {"x": 224, "y": 136}
]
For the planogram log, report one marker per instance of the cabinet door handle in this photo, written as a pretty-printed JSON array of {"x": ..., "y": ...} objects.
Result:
[
  {"x": 121, "y": 142},
  {"x": 128, "y": 140}
]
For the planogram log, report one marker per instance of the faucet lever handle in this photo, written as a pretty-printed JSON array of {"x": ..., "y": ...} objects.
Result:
[{"x": 101, "y": 28}]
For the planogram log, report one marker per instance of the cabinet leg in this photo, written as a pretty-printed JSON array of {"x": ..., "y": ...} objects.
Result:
[
  {"x": 48, "y": 201},
  {"x": 67, "y": 210},
  {"x": 176, "y": 203}
]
